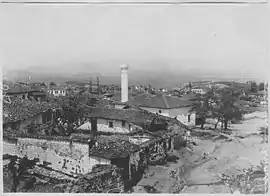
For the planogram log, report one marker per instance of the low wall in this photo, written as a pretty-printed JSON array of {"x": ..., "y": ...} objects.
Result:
[
  {"x": 103, "y": 180},
  {"x": 68, "y": 157}
]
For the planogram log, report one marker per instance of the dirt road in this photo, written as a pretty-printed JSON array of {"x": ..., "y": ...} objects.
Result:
[{"x": 215, "y": 165}]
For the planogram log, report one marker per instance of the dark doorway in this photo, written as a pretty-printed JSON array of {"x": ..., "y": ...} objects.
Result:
[{"x": 189, "y": 118}]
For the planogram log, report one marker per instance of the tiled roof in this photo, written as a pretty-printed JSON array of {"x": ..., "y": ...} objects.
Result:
[
  {"x": 14, "y": 89},
  {"x": 137, "y": 117},
  {"x": 57, "y": 87},
  {"x": 20, "y": 109},
  {"x": 158, "y": 101},
  {"x": 110, "y": 147}
]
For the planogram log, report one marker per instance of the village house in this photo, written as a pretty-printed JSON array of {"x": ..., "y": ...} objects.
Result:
[
  {"x": 19, "y": 113},
  {"x": 24, "y": 91},
  {"x": 57, "y": 90},
  {"x": 79, "y": 154},
  {"x": 122, "y": 121},
  {"x": 138, "y": 138},
  {"x": 164, "y": 105}
]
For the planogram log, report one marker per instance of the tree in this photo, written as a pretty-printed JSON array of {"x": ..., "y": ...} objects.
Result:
[
  {"x": 218, "y": 104},
  {"x": 18, "y": 169},
  {"x": 261, "y": 86},
  {"x": 227, "y": 107},
  {"x": 202, "y": 107}
]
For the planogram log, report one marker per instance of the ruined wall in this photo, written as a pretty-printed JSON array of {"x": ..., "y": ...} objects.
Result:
[
  {"x": 105, "y": 180},
  {"x": 157, "y": 153},
  {"x": 151, "y": 154},
  {"x": 70, "y": 158}
]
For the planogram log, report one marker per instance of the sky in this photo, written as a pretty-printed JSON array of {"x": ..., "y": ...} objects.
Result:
[{"x": 221, "y": 39}]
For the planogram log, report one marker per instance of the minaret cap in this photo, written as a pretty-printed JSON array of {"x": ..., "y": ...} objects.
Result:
[{"x": 124, "y": 66}]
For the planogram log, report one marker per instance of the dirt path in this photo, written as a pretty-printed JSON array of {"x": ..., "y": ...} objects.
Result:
[
  {"x": 204, "y": 173},
  {"x": 230, "y": 158}
]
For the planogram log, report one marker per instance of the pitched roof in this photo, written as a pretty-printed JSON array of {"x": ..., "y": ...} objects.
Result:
[
  {"x": 161, "y": 101},
  {"x": 20, "y": 109},
  {"x": 16, "y": 89},
  {"x": 111, "y": 147},
  {"x": 137, "y": 117},
  {"x": 58, "y": 87}
]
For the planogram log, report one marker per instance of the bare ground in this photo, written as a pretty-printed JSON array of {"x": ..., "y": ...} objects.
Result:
[{"x": 217, "y": 164}]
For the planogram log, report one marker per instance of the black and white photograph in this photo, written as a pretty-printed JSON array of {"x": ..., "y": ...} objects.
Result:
[{"x": 165, "y": 97}]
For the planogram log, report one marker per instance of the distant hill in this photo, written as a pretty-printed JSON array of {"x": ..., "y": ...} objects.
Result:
[{"x": 158, "y": 78}]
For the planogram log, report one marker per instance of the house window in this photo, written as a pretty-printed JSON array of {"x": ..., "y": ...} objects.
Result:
[
  {"x": 129, "y": 127},
  {"x": 189, "y": 118},
  {"x": 123, "y": 124},
  {"x": 159, "y": 111},
  {"x": 110, "y": 124},
  {"x": 56, "y": 92}
]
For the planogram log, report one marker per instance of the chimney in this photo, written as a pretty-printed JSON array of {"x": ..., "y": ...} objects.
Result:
[{"x": 124, "y": 83}]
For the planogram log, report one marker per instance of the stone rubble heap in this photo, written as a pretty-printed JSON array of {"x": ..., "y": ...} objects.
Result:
[{"x": 103, "y": 179}]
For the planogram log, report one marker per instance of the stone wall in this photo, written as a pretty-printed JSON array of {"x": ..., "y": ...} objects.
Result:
[
  {"x": 157, "y": 153},
  {"x": 106, "y": 179},
  {"x": 68, "y": 157},
  {"x": 152, "y": 153}
]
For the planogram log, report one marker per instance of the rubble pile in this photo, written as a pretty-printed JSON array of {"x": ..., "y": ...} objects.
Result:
[
  {"x": 103, "y": 179},
  {"x": 157, "y": 154},
  {"x": 249, "y": 181}
]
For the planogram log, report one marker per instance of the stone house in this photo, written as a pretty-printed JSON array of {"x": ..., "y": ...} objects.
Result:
[
  {"x": 79, "y": 153},
  {"x": 18, "y": 114},
  {"x": 164, "y": 105},
  {"x": 31, "y": 92},
  {"x": 120, "y": 121},
  {"x": 57, "y": 91},
  {"x": 70, "y": 156}
]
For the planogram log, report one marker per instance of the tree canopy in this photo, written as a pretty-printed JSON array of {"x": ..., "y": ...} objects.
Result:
[{"x": 220, "y": 104}]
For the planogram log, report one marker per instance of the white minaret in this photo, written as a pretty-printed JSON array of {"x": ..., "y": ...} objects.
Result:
[{"x": 124, "y": 83}]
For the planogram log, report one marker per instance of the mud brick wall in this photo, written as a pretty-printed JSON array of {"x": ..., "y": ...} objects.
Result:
[{"x": 68, "y": 157}]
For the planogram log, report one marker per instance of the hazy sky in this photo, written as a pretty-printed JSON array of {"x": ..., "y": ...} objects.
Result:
[{"x": 174, "y": 37}]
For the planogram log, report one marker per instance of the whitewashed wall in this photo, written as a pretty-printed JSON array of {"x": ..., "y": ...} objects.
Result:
[
  {"x": 103, "y": 126},
  {"x": 66, "y": 157},
  {"x": 138, "y": 140}
]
